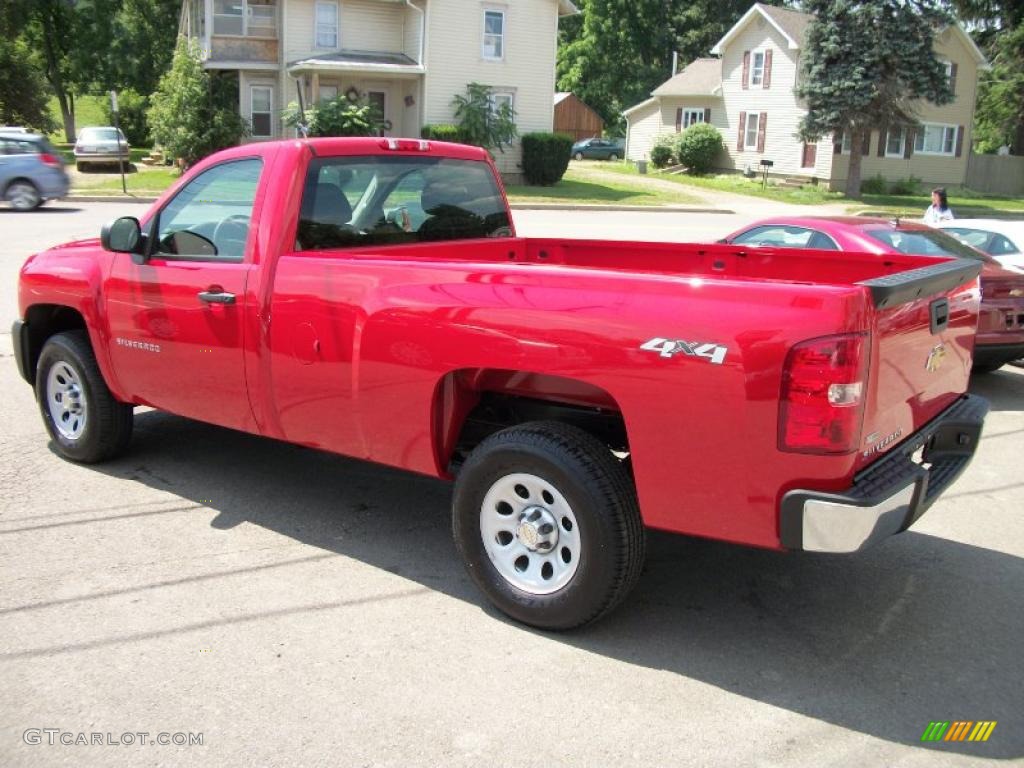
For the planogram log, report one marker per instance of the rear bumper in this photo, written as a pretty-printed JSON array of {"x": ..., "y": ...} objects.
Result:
[
  {"x": 987, "y": 355},
  {"x": 892, "y": 493}
]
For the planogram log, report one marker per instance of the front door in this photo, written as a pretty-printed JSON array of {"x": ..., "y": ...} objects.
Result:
[
  {"x": 379, "y": 101},
  {"x": 177, "y": 321},
  {"x": 810, "y": 156}
]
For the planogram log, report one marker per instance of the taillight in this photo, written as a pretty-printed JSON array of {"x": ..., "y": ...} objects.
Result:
[
  {"x": 51, "y": 160},
  {"x": 823, "y": 387},
  {"x": 994, "y": 288},
  {"x": 406, "y": 145}
]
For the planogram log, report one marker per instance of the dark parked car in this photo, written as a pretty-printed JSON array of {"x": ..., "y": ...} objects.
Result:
[
  {"x": 31, "y": 171},
  {"x": 101, "y": 145},
  {"x": 598, "y": 149},
  {"x": 1000, "y": 337}
]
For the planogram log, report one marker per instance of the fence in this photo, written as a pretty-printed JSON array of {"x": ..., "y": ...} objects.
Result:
[{"x": 996, "y": 174}]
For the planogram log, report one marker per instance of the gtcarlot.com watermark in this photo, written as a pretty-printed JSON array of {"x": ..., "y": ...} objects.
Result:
[{"x": 58, "y": 736}]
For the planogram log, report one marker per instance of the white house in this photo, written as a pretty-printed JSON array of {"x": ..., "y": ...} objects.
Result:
[
  {"x": 410, "y": 57},
  {"x": 746, "y": 91}
]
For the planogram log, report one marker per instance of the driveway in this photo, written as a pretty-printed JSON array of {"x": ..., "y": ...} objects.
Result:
[{"x": 297, "y": 608}]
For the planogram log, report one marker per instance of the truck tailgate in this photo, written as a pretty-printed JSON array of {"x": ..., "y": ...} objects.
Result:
[{"x": 922, "y": 345}]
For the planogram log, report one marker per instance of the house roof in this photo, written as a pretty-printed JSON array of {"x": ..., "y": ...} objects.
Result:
[
  {"x": 701, "y": 77},
  {"x": 384, "y": 61},
  {"x": 567, "y": 8},
  {"x": 790, "y": 24},
  {"x": 641, "y": 105}
]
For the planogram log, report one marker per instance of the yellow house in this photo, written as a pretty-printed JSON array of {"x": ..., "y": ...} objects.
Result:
[
  {"x": 746, "y": 91},
  {"x": 409, "y": 57}
]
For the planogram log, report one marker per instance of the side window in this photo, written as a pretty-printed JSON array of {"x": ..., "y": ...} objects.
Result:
[
  {"x": 782, "y": 236},
  {"x": 208, "y": 219},
  {"x": 358, "y": 201},
  {"x": 1001, "y": 246}
]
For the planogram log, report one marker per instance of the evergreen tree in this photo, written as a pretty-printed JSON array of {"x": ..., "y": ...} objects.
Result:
[{"x": 865, "y": 64}]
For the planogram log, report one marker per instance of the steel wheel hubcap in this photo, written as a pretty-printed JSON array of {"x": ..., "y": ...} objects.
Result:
[
  {"x": 530, "y": 533},
  {"x": 65, "y": 399},
  {"x": 23, "y": 196}
]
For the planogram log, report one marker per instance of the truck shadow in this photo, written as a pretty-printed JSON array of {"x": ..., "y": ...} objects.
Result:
[{"x": 882, "y": 643}]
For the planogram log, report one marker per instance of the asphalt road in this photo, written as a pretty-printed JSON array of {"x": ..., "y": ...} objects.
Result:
[{"x": 297, "y": 608}]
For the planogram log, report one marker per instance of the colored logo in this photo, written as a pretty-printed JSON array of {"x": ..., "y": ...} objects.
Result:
[
  {"x": 935, "y": 358},
  {"x": 959, "y": 730}
]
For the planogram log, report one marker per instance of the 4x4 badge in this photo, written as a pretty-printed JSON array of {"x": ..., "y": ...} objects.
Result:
[{"x": 715, "y": 353}]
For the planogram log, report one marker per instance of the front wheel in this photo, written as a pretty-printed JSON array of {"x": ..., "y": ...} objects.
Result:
[
  {"x": 23, "y": 195},
  {"x": 547, "y": 523},
  {"x": 84, "y": 420},
  {"x": 613, "y": 157},
  {"x": 579, "y": 155}
]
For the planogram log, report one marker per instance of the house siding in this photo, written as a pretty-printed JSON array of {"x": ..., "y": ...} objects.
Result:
[
  {"x": 931, "y": 169},
  {"x": 644, "y": 126},
  {"x": 454, "y": 59}
]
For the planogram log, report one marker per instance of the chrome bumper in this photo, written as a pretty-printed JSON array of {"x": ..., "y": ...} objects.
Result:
[{"x": 892, "y": 493}]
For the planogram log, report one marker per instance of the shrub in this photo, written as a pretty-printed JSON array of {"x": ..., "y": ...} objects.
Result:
[
  {"x": 340, "y": 116},
  {"x": 663, "y": 153},
  {"x": 441, "y": 132},
  {"x": 905, "y": 186},
  {"x": 480, "y": 123},
  {"x": 545, "y": 157},
  {"x": 698, "y": 146},
  {"x": 194, "y": 111},
  {"x": 131, "y": 115},
  {"x": 876, "y": 185}
]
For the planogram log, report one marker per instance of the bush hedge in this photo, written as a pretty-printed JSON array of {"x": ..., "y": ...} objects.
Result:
[
  {"x": 876, "y": 185},
  {"x": 698, "y": 146},
  {"x": 131, "y": 113},
  {"x": 663, "y": 153},
  {"x": 442, "y": 132},
  {"x": 545, "y": 157}
]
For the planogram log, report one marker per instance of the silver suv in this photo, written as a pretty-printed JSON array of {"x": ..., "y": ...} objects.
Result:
[{"x": 31, "y": 171}]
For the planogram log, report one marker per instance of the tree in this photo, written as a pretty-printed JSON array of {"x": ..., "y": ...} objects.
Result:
[
  {"x": 193, "y": 112},
  {"x": 864, "y": 64},
  {"x": 999, "y": 115},
  {"x": 482, "y": 122},
  {"x": 23, "y": 92}
]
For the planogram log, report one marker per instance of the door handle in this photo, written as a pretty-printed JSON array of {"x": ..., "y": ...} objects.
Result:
[{"x": 216, "y": 297}]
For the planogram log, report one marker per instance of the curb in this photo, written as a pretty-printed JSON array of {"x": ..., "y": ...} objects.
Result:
[
  {"x": 602, "y": 207},
  {"x": 107, "y": 199}
]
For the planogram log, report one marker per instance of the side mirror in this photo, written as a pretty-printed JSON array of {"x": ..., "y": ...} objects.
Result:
[{"x": 122, "y": 235}]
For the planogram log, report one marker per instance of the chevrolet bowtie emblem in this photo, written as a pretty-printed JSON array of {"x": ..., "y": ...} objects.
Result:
[{"x": 935, "y": 358}]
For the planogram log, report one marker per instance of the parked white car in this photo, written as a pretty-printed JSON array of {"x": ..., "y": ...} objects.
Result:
[{"x": 999, "y": 238}]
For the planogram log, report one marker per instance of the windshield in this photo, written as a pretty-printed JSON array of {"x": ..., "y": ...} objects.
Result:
[
  {"x": 99, "y": 134},
  {"x": 925, "y": 242}
]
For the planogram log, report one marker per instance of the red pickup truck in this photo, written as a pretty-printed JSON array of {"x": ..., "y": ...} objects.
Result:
[{"x": 370, "y": 297}]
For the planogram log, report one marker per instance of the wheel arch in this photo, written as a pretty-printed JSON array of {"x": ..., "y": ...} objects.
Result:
[
  {"x": 472, "y": 403},
  {"x": 43, "y": 321}
]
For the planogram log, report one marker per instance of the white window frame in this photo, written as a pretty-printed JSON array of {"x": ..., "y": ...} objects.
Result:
[
  {"x": 747, "y": 145},
  {"x": 485, "y": 34},
  {"x": 903, "y": 141},
  {"x": 692, "y": 116},
  {"x": 498, "y": 96},
  {"x": 270, "y": 112},
  {"x": 757, "y": 75},
  {"x": 317, "y": 24},
  {"x": 947, "y": 131}
]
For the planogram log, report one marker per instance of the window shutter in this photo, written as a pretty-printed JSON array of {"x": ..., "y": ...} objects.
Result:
[
  {"x": 766, "y": 81},
  {"x": 882, "y": 138},
  {"x": 746, "y": 69},
  {"x": 865, "y": 148},
  {"x": 762, "y": 120},
  {"x": 707, "y": 114},
  {"x": 959, "y": 141},
  {"x": 743, "y": 129},
  {"x": 679, "y": 119},
  {"x": 908, "y": 147},
  {"x": 952, "y": 77},
  {"x": 837, "y": 144}
]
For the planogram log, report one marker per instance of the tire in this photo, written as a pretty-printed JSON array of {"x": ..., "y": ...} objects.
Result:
[
  {"x": 67, "y": 367},
  {"x": 613, "y": 157},
  {"x": 579, "y": 155},
  {"x": 573, "y": 481},
  {"x": 23, "y": 195},
  {"x": 80, "y": 167},
  {"x": 984, "y": 368}
]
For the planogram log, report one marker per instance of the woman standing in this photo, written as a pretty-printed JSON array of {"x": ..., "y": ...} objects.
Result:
[{"x": 939, "y": 209}]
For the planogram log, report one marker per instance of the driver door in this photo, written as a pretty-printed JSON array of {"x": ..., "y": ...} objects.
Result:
[{"x": 177, "y": 321}]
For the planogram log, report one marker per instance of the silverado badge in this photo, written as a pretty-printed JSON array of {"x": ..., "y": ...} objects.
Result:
[{"x": 935, "y": 358}]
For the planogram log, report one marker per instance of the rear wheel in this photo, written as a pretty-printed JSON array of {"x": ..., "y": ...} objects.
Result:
[
  {"x": 983, "y": 368},
  {"x": 579, "y": 155},
  {"x": 613, "y": 157},
  {"x": 23, "y": 195},
  {"x": 80, "y": 167},
  {"x": 84, "y": 420},
  {"x": 547, "y": 523}
]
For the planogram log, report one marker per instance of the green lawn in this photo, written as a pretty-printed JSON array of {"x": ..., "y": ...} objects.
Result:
[
  {"x": 88, "y": 111},
  {"x": 964, "y": 204},
  {"x": 577, "y": 189},
  {"x": 149, "y": 181},
  {"x": 735, "y": 183}
]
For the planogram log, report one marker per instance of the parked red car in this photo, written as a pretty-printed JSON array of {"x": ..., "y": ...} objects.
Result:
[{"x": 1001, "y": 322}]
